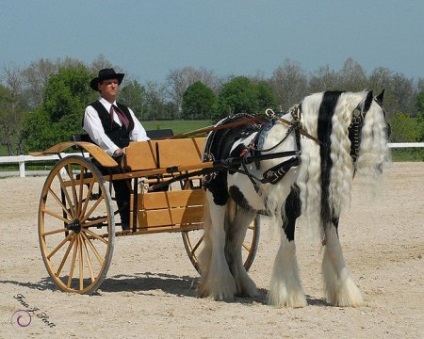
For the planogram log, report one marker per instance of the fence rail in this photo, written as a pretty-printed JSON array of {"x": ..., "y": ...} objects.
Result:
[{"x": 21, "y": 160}]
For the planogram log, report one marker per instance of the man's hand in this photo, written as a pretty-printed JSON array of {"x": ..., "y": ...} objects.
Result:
[{"x": 119, "y": 152}]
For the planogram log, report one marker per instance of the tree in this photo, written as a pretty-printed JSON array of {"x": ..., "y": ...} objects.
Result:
[
  {"x": 199, "y": 102},
  {"x": 241, "y": 95},
  {"x": 400, "y": 94},
  {"x": 352, "y": 76},
  {"x": 178, "y": 80},
  {"x": 65, "y": 98},
  {"x": 156, "y": 102},
  {"x": 264, "y": 96},
  {"x": 325, "y": 79},
  {"x": 404, "y": 128},
  {"x": 11, "y": 116},
  {"x": 12, "y": 108},
  {"x": 289, "y": 84},
  {"x": 133, "y": 94},
  {"x": 36, "y": 77},
  {"x": 237, "y": 96}
]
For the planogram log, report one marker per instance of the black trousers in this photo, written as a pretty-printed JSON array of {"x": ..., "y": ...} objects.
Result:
[
  {"x": 122, "y": 195},
  {"x": 122, "y": 192}
]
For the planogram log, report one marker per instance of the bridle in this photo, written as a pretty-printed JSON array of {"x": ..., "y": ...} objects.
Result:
[{"x": 355, "y": 128}]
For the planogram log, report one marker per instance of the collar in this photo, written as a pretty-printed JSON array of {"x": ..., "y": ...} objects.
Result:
[{"x": 106, "y": 103}]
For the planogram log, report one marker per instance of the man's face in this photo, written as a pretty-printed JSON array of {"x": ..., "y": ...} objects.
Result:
[{"x": 109, "y": 89}]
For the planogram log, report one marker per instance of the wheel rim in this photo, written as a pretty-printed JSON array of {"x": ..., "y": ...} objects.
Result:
[
  {"x": 193, "y": 243},
  {"x": 76, "y": 226}
]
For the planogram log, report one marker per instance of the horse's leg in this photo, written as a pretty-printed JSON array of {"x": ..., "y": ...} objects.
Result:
[
  {"x": 339, "y": 287},
  {"x": 216, "y": 280},
  {"x": 239, "y": 220},
  {"x": 286, "y": 288}
]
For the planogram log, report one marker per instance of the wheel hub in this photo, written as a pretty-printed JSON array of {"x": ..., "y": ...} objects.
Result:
[{"x": 75, "y": 226}]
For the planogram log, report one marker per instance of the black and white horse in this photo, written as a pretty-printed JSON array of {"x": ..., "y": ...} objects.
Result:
[{"x": 329, "y": 137}]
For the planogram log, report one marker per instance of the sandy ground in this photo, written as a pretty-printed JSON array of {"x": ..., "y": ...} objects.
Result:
[{"x": 149, "y": 291}]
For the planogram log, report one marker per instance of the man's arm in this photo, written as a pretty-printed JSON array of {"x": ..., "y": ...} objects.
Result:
[{"x": 138, "y": 133}]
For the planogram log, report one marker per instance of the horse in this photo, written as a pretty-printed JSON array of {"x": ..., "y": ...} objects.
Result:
[{"x": 300, "y": 163}]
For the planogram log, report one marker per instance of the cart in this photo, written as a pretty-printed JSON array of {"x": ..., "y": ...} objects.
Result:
[{"x": 77, "y": 224}]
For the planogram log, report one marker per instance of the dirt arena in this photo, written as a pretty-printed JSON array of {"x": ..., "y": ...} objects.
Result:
[{"x": 149, "y": 291}]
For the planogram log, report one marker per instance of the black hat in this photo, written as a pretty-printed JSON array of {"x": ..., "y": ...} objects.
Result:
[{"x": 105, "y": 74}]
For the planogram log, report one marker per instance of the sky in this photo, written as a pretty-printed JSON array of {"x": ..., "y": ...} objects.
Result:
[{"x": 149, "y": 38}]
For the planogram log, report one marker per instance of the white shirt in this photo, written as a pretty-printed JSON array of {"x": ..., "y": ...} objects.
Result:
[{"x": 94, "y": 127}]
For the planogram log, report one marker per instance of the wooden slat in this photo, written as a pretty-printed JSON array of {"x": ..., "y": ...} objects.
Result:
[
  {"x": 162, "y": 229},
  {"x": 179, "y": 152},
  {"x": 170, "y": 199},
  {"x": 173, "y": 216},
  {"x": 140, "y": 155}
]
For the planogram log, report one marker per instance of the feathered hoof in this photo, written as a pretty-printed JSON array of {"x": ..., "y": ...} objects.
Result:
[
  {"x": 293, "y": 300},
  {"x": 247, "y": 288},
  {"x": 226, "y": 295},
  {"x": 347, "y": 295}
]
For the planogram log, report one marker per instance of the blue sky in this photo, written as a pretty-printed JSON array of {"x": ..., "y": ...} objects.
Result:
[{"x": 148, "y": 38}]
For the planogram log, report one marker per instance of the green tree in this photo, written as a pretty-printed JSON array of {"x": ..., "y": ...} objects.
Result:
[
  {"x": 241, "y": 95},
  {"x": 264, "y": 95},
  {"x": 133, "y": 94},
  {"x": 199, "y": 102},
  {"x": 404, "y": 128},
  {"x": 237, "y": 96},
  {"x": 11, "y": 116},
  {"x": 60, "y": 115}
]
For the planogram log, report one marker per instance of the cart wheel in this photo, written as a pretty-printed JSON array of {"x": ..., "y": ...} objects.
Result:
[
  {"x": 193, "y": 244},
  {"x": 76, "y": 226}
]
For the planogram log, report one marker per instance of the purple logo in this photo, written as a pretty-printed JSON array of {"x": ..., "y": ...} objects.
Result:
[{"x": 21, "y": 319}]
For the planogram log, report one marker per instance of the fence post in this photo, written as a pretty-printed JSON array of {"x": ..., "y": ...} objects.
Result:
[{"x": 22, "y": 167}]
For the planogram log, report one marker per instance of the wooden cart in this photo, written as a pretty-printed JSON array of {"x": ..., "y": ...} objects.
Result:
[{"x": 76, "y": 220}]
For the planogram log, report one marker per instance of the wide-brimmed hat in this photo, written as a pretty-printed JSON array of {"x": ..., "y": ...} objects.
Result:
[{"x": 105, "y": 74}]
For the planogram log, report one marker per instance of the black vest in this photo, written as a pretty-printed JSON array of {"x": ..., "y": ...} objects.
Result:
[{"x": 118, "y": 134}]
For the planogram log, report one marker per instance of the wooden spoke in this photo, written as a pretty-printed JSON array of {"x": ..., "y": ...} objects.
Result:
[
  {"x": 65, "y": 257},
  {"x": 76, "y": 226},
  {"x": 58, "y": 247}
]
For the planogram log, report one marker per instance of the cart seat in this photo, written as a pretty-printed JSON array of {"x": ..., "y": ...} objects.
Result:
[{"x": 171, "y": 155}]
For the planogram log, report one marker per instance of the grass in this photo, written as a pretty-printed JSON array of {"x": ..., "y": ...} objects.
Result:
[
  {"x": 405, "y": 154},
  {"x": 178, "y": 126}
]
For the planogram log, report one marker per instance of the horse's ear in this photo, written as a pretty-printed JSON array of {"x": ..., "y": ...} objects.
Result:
[
  {"x": 380, "y": 97},
  {"x": 368, "y": 101}
]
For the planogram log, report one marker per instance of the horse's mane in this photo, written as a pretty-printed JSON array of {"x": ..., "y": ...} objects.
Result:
[{"x": 327, "y": 170}]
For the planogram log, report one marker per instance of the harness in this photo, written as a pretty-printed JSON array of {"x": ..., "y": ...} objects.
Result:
[
  {"x": 244, "y": 155},
  {"x": 355, "y": 129}
]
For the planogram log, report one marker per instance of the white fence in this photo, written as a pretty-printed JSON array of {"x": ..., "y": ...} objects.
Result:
[{"x": 21, "y": 160}]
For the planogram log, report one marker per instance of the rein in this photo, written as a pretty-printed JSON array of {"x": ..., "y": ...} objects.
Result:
[
  {"x": 295, "y": 113},
  {"x": 243, "y": 121}
]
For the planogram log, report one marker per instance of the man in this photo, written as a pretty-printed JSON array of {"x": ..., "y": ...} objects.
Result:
[{"x": 112, "y": 126}]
